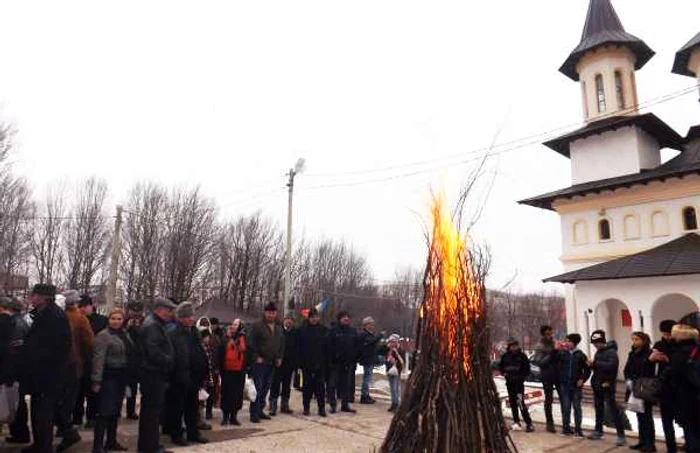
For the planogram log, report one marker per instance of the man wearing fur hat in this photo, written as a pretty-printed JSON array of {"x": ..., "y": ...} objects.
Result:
[
  {"x": 189, "y": 372},
  {"x": 661, "y": 355},
  {"x": 156, "y": 363},
  {"x": 266, "y": 345},
  {"x": 45, "y": 360},
  {"x": 683, "y": 377},
  {"x": 343, "y": 352}
]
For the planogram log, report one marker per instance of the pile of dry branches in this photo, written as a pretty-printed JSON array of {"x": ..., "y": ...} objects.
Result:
[{"x": 450, "y": 403}]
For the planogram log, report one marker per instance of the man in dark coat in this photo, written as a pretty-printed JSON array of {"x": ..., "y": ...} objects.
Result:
[
  {"x": 266, "y": 348},
  {"x": 190, "y": 370},
  {"x": 605, "y": 366},
  {"x": 16, "y": 335},
  {"x": 312, "y": 347},
  {"x": 156, "y": 363},
  {"x": 545, "y": 358},
  {"x": 46, "y": 358},
  {"x": 515, "y": 367},
  {"x": 661, "y": 356},
  {"x": 282, "y": 376},
  {"x": 572, "y": 372},
  {"x": 369, "y": 345},
  {"x": 343, "y": 352},
  {"x": 683, "y": 377}
]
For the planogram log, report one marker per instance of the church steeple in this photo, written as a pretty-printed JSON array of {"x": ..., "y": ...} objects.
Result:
[{"x": 605, "y": 62}]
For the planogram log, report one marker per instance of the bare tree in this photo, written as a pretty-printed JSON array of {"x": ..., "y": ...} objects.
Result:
[
  {"x": 189, "y": 240},
  {"x": 87, "y": 235},
  {"x": 144, "y": 231},
  {"x": 47, "y": 236}
]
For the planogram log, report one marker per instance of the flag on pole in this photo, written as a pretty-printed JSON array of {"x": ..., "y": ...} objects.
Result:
[{"x": 321, "y": 307}]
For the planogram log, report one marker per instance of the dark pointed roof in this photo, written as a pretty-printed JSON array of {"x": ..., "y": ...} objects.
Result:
[
  {"x": 603, "y": 27},
  {"x": 687, "y": 162},
  {"x": 678, "y": 257},
  {"x": 680, "y": 64}
]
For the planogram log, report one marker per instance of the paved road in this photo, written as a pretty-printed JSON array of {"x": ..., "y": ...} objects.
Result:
[{"x": 340, "y": 433}]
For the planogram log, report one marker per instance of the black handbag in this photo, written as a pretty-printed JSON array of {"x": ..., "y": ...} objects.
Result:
[{"x": 648, "y": 389}]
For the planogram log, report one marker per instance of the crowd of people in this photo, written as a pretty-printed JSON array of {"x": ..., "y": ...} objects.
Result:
[
  {"x": 81, "y": 369},
  {"x": 666, "y": 374}
]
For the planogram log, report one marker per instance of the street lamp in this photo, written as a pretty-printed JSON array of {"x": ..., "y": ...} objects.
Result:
[{"x": 298, "y": 168}]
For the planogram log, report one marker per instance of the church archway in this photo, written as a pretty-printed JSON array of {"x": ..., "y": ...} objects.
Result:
[
  {"x": 671, "y": 306},
  {"x": 615, "y": 318}
]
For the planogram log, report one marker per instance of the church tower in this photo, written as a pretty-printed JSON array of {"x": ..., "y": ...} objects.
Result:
[{"x": 605, "y": 62}]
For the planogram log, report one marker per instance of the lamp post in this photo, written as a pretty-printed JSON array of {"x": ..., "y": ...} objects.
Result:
[{"x": 298, "y": 168}]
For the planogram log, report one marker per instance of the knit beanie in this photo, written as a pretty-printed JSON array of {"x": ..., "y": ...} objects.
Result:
[{"x": 184, "y": 310}]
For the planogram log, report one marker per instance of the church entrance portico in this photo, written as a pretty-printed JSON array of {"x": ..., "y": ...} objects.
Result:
[
  {"x": 674, "y": 306},
  {"x": 614, "y": 317}
]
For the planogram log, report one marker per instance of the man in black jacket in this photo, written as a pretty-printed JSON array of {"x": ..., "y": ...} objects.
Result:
[
  {"x": 156, "y": 363},
  {"x": 343, "y": 352},
  {"x": 190, "y": 370},
  {"x": 45, "y": 361},
  {"x": 545, "y": 358},
  {"x": 313, "y": 354},
  {"x": 661, "y": 355},
  {"x": 266, "y": 346},
  {"x": 16, "y": 336},
  {"x": 572, "y": 373},
  {"x": 515, "y": 367},
  {"x": 369, "y": 345},
  {"x": 605, "y": 366},
  {"x": 282, "y": 376}
]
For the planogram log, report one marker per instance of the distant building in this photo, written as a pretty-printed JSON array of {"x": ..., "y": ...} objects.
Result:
[{"x": 631, "y": 248}]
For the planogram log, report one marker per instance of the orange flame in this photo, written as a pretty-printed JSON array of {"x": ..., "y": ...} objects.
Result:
[{"x": 453, "y": 299}]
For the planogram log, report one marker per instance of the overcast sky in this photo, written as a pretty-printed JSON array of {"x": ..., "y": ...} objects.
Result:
[{"x": 229, "y": 94}]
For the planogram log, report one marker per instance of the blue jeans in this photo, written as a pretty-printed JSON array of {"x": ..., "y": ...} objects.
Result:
[
  {"x": 394, "y": 385},
  {"x": 262, "y": 378},
  {"x": 367, "y": 380},
  {"x": 571, "y": 397}
]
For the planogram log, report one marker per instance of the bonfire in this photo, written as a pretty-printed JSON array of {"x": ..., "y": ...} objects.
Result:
[{"x": 450, "y": 403}]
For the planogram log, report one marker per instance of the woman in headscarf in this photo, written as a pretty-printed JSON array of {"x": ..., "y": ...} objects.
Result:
[
  {"x": 112, "y": 366},
  {"x": 232, "y": 355}
]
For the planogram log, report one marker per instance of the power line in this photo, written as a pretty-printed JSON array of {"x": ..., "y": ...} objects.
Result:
[
  {"x": 529, "y": 138},
  {"x": 657, "y": 101}
]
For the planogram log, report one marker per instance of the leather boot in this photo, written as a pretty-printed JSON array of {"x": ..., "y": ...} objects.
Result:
[
  {"x": 273, "y": 407},
  {"x": 285, "y": 406}
]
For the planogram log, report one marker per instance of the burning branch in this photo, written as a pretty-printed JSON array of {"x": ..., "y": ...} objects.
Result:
[{"x": 450, "y": 403}]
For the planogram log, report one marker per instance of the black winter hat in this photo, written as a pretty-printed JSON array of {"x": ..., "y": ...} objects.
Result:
[
  {"x": 313, "y": 312},
  {"x": 574, "y": 338},
  {"x": 598, "y": 336},
  {"x": 342, "y": 314},
  {"x": 666, "y": 326},
  {"x": 85, "y": 300},
  {"x": 42, "y": 289},
  {"x": 512, "y": 341},
  {"x": 135, "y": 305},
  {"x": 270, "y": 307}
]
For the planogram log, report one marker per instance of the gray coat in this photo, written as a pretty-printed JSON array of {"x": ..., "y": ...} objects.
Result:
[{"x": 110, "y": 353}]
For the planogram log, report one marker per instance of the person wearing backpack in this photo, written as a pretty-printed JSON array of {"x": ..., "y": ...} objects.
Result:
[
  {"x": 639, "y": 366},
  {"x": 572, "y": 373},
  {"x": 683, "y": 378}
]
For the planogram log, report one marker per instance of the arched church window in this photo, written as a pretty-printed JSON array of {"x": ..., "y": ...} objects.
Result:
[
  {"x": 619, "y": 90},
  {"x": 690, "y": 219},
  {"x": 600, "y": 92},
  {"x": 631, "y": 227},
  {"x": 585, "y": 99},
  {"x": 604, "y": 230},
  {"x": 580, "y": 233},
  {"x": 659, "y": 224}
]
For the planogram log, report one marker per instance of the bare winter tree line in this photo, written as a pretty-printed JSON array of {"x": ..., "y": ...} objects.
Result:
[{"x": 175, "y": 244}]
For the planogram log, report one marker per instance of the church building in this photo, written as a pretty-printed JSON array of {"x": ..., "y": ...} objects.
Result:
[{"x": 630, "y": 236}]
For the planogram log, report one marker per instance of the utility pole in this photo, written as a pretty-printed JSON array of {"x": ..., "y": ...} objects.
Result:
[
  {"x": 114, "y": 263},
  {"x": 298, "y": 168}
]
